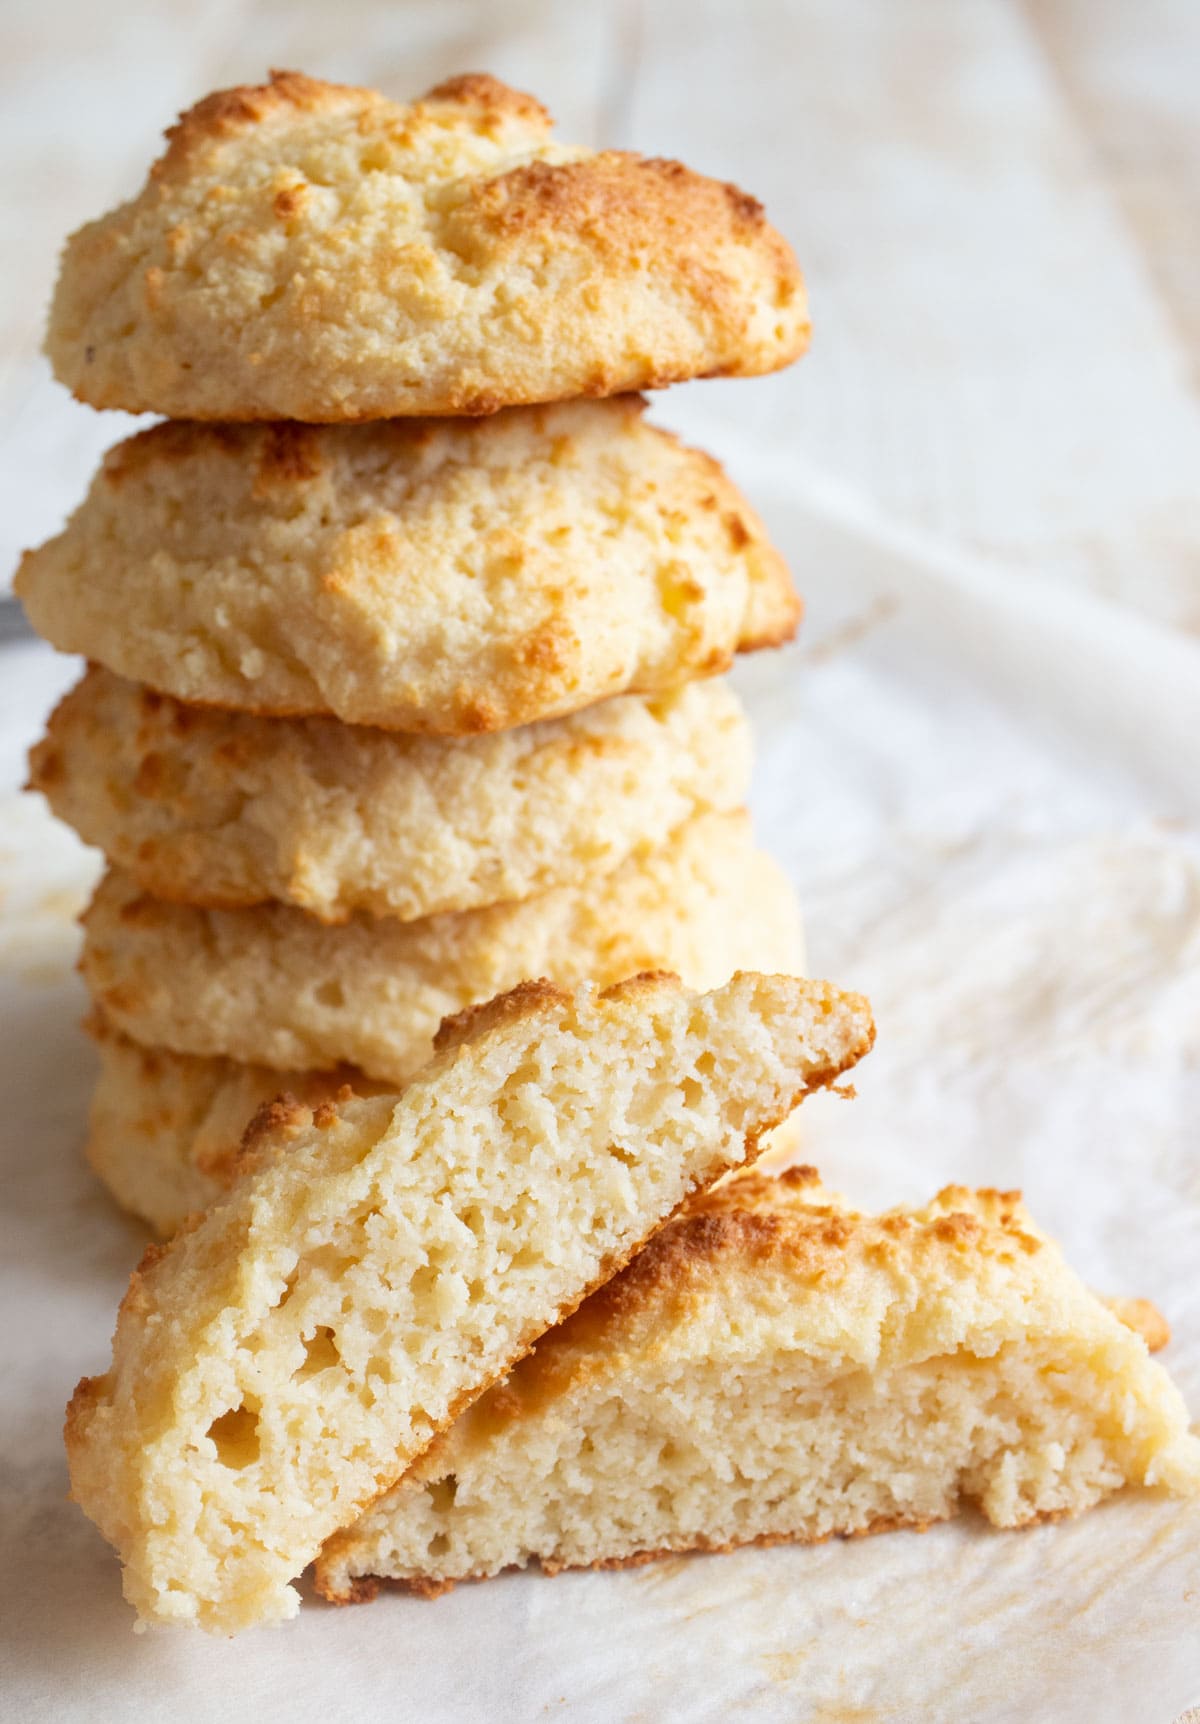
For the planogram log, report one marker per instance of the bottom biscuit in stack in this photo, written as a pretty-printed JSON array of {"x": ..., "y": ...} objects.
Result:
[{"x": 776, "y": 1366}]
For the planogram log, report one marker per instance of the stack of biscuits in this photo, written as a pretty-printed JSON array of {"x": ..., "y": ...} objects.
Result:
[
  {"x": 406, "y": 633},
  {"x": 405, "y": 627}
]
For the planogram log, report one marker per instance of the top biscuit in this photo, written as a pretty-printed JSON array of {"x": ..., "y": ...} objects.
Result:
[{"x": 311, "y": 251}]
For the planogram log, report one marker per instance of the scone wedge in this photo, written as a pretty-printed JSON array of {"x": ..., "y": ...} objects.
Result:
[
  {"x": 165, "y": 1129},
  {"x": 305, "y": 250},
  {"x": 381, "y": 1261},
  {"x": 776, "y": 1366}
]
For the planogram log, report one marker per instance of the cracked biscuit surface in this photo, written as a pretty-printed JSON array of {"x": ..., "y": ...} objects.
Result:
[
  {"x": 226, "y": 809},
  {"x": 310, "y": 251},
  {"x": 273, "y": 986},
  {"x": 447, "y": 578},
  {"x": 775, "y": 1365},
  {"x": 380, "y": 1261}
]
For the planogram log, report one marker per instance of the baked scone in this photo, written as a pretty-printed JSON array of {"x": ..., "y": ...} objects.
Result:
[
  {"x": 382, "y": 1260},
  {"x": 225, "y": 809},
  {"x": 164, "y": 1129},
  {"x": 447, "y": 578},
  {"x": 273, "y": 986},
  {"x": 306, "y": 250},
  {"x": 774, "y": 1366}
]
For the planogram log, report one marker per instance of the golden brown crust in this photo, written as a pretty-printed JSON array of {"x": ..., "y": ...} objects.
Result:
[
  {"x": 530, "y": 997},
  {"x": 521, "y": 270},
  {"x": 273, "y": 1123},
  {"x": 226, "y": 113},
  {"x": 487, "y": 94},
  {"x": 1144, "y": 1318},
  {"x": 439, "y": 578},
  {"x": 525, "y": 999}
]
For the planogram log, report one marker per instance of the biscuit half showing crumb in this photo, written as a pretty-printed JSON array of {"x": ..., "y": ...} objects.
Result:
[
  {"x": 776, "y": 1366},
  {"x": 445, "y": 578},
  {"x": 382, "y": 1260},
  {"x": 225, "y": 809},
  {"x": 165, "y": 1129},
  {"x": 305, "y": 250},
  {"x": 273, "y": 986}
]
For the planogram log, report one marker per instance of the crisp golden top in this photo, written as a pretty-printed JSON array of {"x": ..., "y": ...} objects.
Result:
[
  {"x": 449, "y": 577},
  {"x": 306, "y": 250},
  {"x": 227, "y": 115}
]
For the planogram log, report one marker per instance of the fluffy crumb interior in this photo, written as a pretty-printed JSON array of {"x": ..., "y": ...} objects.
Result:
[
  {"x": 774, "y": 1366},
  {"x": 283, "y": 1362},
  {"x": 789, "y": 1447}
]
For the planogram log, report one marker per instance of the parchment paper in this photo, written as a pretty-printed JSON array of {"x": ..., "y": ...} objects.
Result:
[{"x": 986, "y": 790}]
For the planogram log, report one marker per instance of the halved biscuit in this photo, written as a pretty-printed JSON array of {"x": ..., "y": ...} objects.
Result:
[
  {"x": 164, "y": 1129},
  {"x": 305, "y": 250},
  {"x": 224, "y": 809},
  {"x": 775, "y": 1366},
  {"x": 381, "y": 1261},
  {"x": 272, "y": 986},
  {"x": 446, "y": 578}
]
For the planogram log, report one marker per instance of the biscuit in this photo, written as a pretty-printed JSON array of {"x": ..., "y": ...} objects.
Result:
[
  {"x": 309, "y": 251},
  {"x": 225, "y": 809},
  {"x": 450, "y": 577},
  {"x": 884, "y": 1371},
  {"x": 273, "y": 986},
  {"x": 380, "y": 1261},
  {"x": 164, "y": 1129}
]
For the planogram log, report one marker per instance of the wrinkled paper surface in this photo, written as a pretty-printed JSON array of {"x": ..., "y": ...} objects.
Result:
[{"x": 986, "y": 791}]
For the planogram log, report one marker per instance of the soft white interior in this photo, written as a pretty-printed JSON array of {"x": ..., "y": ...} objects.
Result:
[{"x": 788, "y": 1446}]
